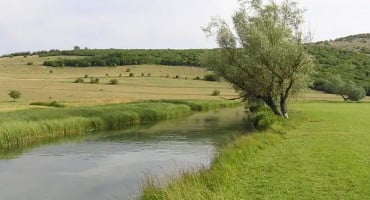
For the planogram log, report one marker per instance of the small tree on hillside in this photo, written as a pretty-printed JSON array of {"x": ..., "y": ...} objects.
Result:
[
  {"x": 346, "y": 89},
  {"x": 263, "y": 57},
  {"x": 14, "y": 94}
]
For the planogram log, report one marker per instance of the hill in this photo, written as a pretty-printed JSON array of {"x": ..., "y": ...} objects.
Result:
[
  {"x": 348, "y": 57},
  {"x": 355, "y": 43}
]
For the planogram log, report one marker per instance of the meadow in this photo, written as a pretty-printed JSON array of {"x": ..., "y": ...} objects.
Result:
[
  {"x": 321, "y": 153},
  {"x": 38, "y": 83}
]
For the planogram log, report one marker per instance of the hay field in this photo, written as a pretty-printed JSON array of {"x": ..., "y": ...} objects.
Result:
[{"x": 40, "y": 83}]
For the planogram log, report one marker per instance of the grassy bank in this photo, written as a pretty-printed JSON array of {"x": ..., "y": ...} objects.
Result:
[
  {"x": 24, "y": 127},
  {"x": 323, "y": 154}
]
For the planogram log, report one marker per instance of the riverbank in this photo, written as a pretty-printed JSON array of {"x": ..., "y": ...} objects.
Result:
[
  {"x": 322, "y": 152},
  {"x": 29, "y": 126}
]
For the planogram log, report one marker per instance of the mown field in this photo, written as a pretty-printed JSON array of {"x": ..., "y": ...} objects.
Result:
[
  {"x": 40, "y": 83},
  {"x": 323, "y": 152}
]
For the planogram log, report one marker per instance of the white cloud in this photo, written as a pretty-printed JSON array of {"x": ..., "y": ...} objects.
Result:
[{"x": 46, "y": 24}]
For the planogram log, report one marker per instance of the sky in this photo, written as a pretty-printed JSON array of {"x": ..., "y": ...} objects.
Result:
[{"x": 31, "y": 25}]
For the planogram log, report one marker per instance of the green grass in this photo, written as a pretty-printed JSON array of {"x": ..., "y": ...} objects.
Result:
[
  {"x": 323, "y": 154},
  {"x": 23, "y": 127}
]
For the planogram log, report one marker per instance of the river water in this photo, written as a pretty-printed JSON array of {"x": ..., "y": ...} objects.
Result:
[{"x": 112, "y": 165}]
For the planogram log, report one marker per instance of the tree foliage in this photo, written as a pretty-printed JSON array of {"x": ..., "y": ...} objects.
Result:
[
  {"x": 351, "y": 66},
  {"x": 348, "y": 90},
  {"x": 263, "y": 56},
  {"x": 14, "y": 94},
  {"x": 125, "y": 57}
]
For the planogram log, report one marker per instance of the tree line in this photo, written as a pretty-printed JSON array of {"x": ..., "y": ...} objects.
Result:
[{"x": 126, "y": 57}]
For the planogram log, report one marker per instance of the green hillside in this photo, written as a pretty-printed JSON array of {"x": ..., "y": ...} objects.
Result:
[{"x": 348, "y": 57}]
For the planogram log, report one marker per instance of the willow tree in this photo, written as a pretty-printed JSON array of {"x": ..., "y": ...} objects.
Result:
[{"x": 263, "y": 54}]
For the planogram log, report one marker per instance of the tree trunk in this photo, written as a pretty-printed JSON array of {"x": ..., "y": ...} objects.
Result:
[
  {"x": 344, "y": 98},
  {"x": 283, "y": 107},
  {"x": 270, "y": 103}
]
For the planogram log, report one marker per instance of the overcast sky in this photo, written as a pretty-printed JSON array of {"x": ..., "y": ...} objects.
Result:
[{"x": 30, "y": 25}]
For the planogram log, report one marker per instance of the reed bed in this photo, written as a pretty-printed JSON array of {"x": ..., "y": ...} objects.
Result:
[{"x": 25, "y": 127}]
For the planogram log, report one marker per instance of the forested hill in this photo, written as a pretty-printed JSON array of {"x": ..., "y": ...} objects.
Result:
[{"x": 346, "y": 58}]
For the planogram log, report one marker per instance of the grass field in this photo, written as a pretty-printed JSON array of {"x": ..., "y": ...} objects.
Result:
[
  {"x": 36, "y": 83},
  {"x": 323, "y": 154}
]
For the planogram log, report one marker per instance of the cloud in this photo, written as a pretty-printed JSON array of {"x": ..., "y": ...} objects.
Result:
[{"x": 49, "y": 24}]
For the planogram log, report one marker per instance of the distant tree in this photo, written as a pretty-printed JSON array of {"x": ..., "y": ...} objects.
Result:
[
  {"x": 264, "y": 57},
  {"x": 14, "y": 94},
  {"x": 76, "y": 48},
  {"x": 348, "y": 90}
]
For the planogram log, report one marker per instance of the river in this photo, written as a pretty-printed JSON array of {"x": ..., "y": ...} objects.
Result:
[{"x": 113, "y": 164}]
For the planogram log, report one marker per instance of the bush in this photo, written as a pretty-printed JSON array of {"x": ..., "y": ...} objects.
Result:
[
  {"x": 211, "y": 77},
  {"x": 94, "y": 80},
  {"x": 131, "y": 74},
  {"x": 348, "y": 90},
  {"x": 177, "y": 76},
  {"x": 216, "y": 92},
  {"x": 142, "y": 74},
  {"x": 120, "y": 75},
  {"x": 128, "y": 70},
  {"x": 261, "y": 120},
  {"x": 356, "y": 94},
  {"x": 50, "y": 104},
  {"x": 197, "y": 78},
  {"x": 79, "y": 80},
  {"x": 30, "y": 63},
  {"x": 14, "y": 94},
  {"x": 114, "y": 82},
  {"x": 86, "y": 76},
  {"x": 149, "y": 75}
]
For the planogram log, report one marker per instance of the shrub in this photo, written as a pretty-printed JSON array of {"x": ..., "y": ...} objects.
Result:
[
  {"x": 197, "y": 78},
  {"x": 94, "y": 80},
  {"x": 216, "y": 92},
  {"x": 114, "y": 82},
  {"x": 131, "y": 74},
  {"x": 30, "y": 63},
  {"x": 149, "y": 75},
  {"x": 51, "y": 71},
  {"x": 260, "y": 120},
  {"x": 211, "y": 77},
  {"x": 14, "y": 94},
  {"x": 86, "y": 76},
  {"x": 128, "y": 70},
  {"x": 79, "y": 80},
  {"x": 177, "y": 76},
  {"x": 356, "y": 94},
  {"x": 142, "y": 74},
  {"x": 106, "y": 74},
  {"x": 120, "y": 75},
  {"x": 50, "y": 104},
  {"x": 167, "y": 76}
]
